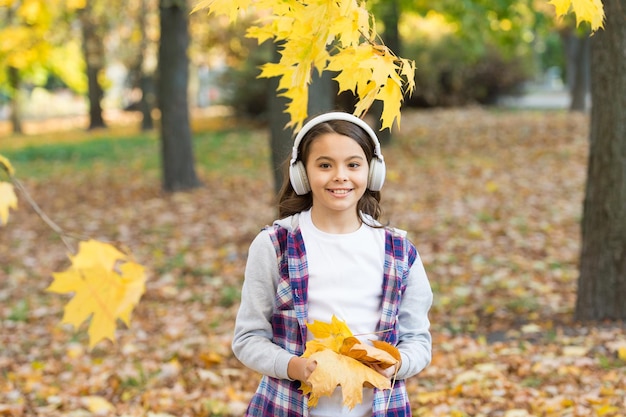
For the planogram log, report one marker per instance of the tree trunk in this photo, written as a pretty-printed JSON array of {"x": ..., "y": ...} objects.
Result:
[
  {"x": 602, "y": 280},
  {"x": 16, "y": 99},
  {"x": 146, "y": 82},
  {"x": 15, "y": 81},
  {"x": 93, "y": 51},
  {"x": 569, "y": 41},
  {"x": 148, "y": 102},
  {"x": 322, "y": 92},
  {"x": 176, "y": 145},
  {"x": 580, "y": 85},
  {"x": 281, "y": 139}
]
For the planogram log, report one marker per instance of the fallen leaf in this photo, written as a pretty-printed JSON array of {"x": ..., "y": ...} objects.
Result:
[
  {"x": 98, "y": 405},
  {"x": 575, "y": 351}
]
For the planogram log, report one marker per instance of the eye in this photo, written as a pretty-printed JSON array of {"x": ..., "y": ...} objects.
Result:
[
  {"x": 324, "y": 165},
  {"x": 354, "y": 165}
]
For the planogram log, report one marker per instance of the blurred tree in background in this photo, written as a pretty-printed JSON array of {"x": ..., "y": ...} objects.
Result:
[
  {"x": 137, "y": 45},
  {"x": 173, "y": 68},
  {"x": 93, "y": 18},
  {"x": 37, "y": 43}
]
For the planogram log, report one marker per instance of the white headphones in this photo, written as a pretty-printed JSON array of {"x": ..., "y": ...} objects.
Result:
[{"x": 297, "y": 171}]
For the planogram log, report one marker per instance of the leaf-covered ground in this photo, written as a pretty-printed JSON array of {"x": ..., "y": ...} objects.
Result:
[{"x": 492, "y": 200}]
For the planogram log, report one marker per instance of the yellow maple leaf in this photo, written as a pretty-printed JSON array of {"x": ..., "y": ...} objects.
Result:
[
  {"x": 106, "y": 287},
  {"x": 561, "y": 6},
  {"x": 591, "y": 11},
  {"x": 343, "y": 360},
  {"x": 367, "y": 95},
  {"x": 391, "y": 95},
  {"x": 408, "y": 73},
  {"x": 330, "y": 335},
  {"x": 333, "y": 370},
  {"x": 346, "y": 58},
  {"x": 8, "y": 200}
]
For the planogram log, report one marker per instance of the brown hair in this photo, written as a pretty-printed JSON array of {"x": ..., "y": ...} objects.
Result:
[{"x": 290, "y": 203}]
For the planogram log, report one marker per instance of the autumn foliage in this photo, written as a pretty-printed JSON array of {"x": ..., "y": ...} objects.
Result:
[
  {"x": 591, "y": 11},
  {"x": 321, "y": 35},
  {"x": 341, "y": 37}
]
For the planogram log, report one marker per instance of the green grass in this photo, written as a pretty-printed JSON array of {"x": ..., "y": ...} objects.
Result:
[{"x": 214, "y": 152}]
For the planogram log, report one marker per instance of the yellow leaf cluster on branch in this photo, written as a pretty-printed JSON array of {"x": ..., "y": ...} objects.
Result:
[
  {"x": 591, "y": 11},
  {"x": 322, "y": 35},
  {"x": 342, "y": 360}
]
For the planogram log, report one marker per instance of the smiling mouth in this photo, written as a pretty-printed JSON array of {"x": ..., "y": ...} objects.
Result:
[{"x": 341, "y": 191}]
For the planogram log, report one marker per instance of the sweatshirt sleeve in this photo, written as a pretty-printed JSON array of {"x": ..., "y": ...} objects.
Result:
[
  {"x": 415, "y": 342},
  {"x": 252, "y": 342}
]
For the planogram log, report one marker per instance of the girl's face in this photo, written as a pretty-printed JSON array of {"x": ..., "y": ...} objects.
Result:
[{"x": 337, "y": 169}]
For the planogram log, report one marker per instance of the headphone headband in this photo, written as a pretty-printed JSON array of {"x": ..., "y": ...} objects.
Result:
[{"x": 334, "y": 116}]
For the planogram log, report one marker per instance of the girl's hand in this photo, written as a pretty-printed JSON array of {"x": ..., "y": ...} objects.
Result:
[
  {"x": 300, "y": 368},
  {"x": 389, "y": 372}
]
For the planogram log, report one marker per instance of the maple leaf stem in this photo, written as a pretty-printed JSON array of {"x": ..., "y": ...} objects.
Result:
[
  {"x": 393, "y": 382},
  {"x": 378, "y": 332},
  {"x": 51, "y": 224}
]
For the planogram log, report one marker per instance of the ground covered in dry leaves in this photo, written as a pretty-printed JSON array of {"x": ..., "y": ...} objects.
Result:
[{"x": 492, "y": 200}]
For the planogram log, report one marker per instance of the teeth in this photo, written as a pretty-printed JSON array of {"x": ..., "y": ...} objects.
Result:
[{"x": 340, "y": 191}]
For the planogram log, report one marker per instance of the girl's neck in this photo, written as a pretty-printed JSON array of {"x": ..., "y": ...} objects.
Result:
[{"x": 335, "y": 222}]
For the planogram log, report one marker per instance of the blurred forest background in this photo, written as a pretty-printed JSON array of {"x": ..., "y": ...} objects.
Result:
[{"x": 110, "y": 109}]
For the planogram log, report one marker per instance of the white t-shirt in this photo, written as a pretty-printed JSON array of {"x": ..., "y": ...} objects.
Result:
[{"x": 345, "y": 280}]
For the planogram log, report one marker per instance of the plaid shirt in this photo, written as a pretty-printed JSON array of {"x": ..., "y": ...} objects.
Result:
[{"x": 281, "y": 398}]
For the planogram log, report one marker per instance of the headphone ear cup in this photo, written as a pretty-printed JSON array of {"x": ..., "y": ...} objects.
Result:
[
  {"x": 377, "y": 172},
  {"x": 298, "y": 178}
]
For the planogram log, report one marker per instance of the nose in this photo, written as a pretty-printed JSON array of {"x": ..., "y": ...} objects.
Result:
[{"x": 341, "y": 175}]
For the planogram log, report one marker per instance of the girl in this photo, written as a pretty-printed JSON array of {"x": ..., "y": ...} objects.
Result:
[{"x": 328, "y": 255}]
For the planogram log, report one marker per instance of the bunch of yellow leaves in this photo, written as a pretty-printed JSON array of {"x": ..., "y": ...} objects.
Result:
[
  {"x": 591, "y": 11},
  {"x": 325, "y": 35},
  {"x": 342, "y": 360}
]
